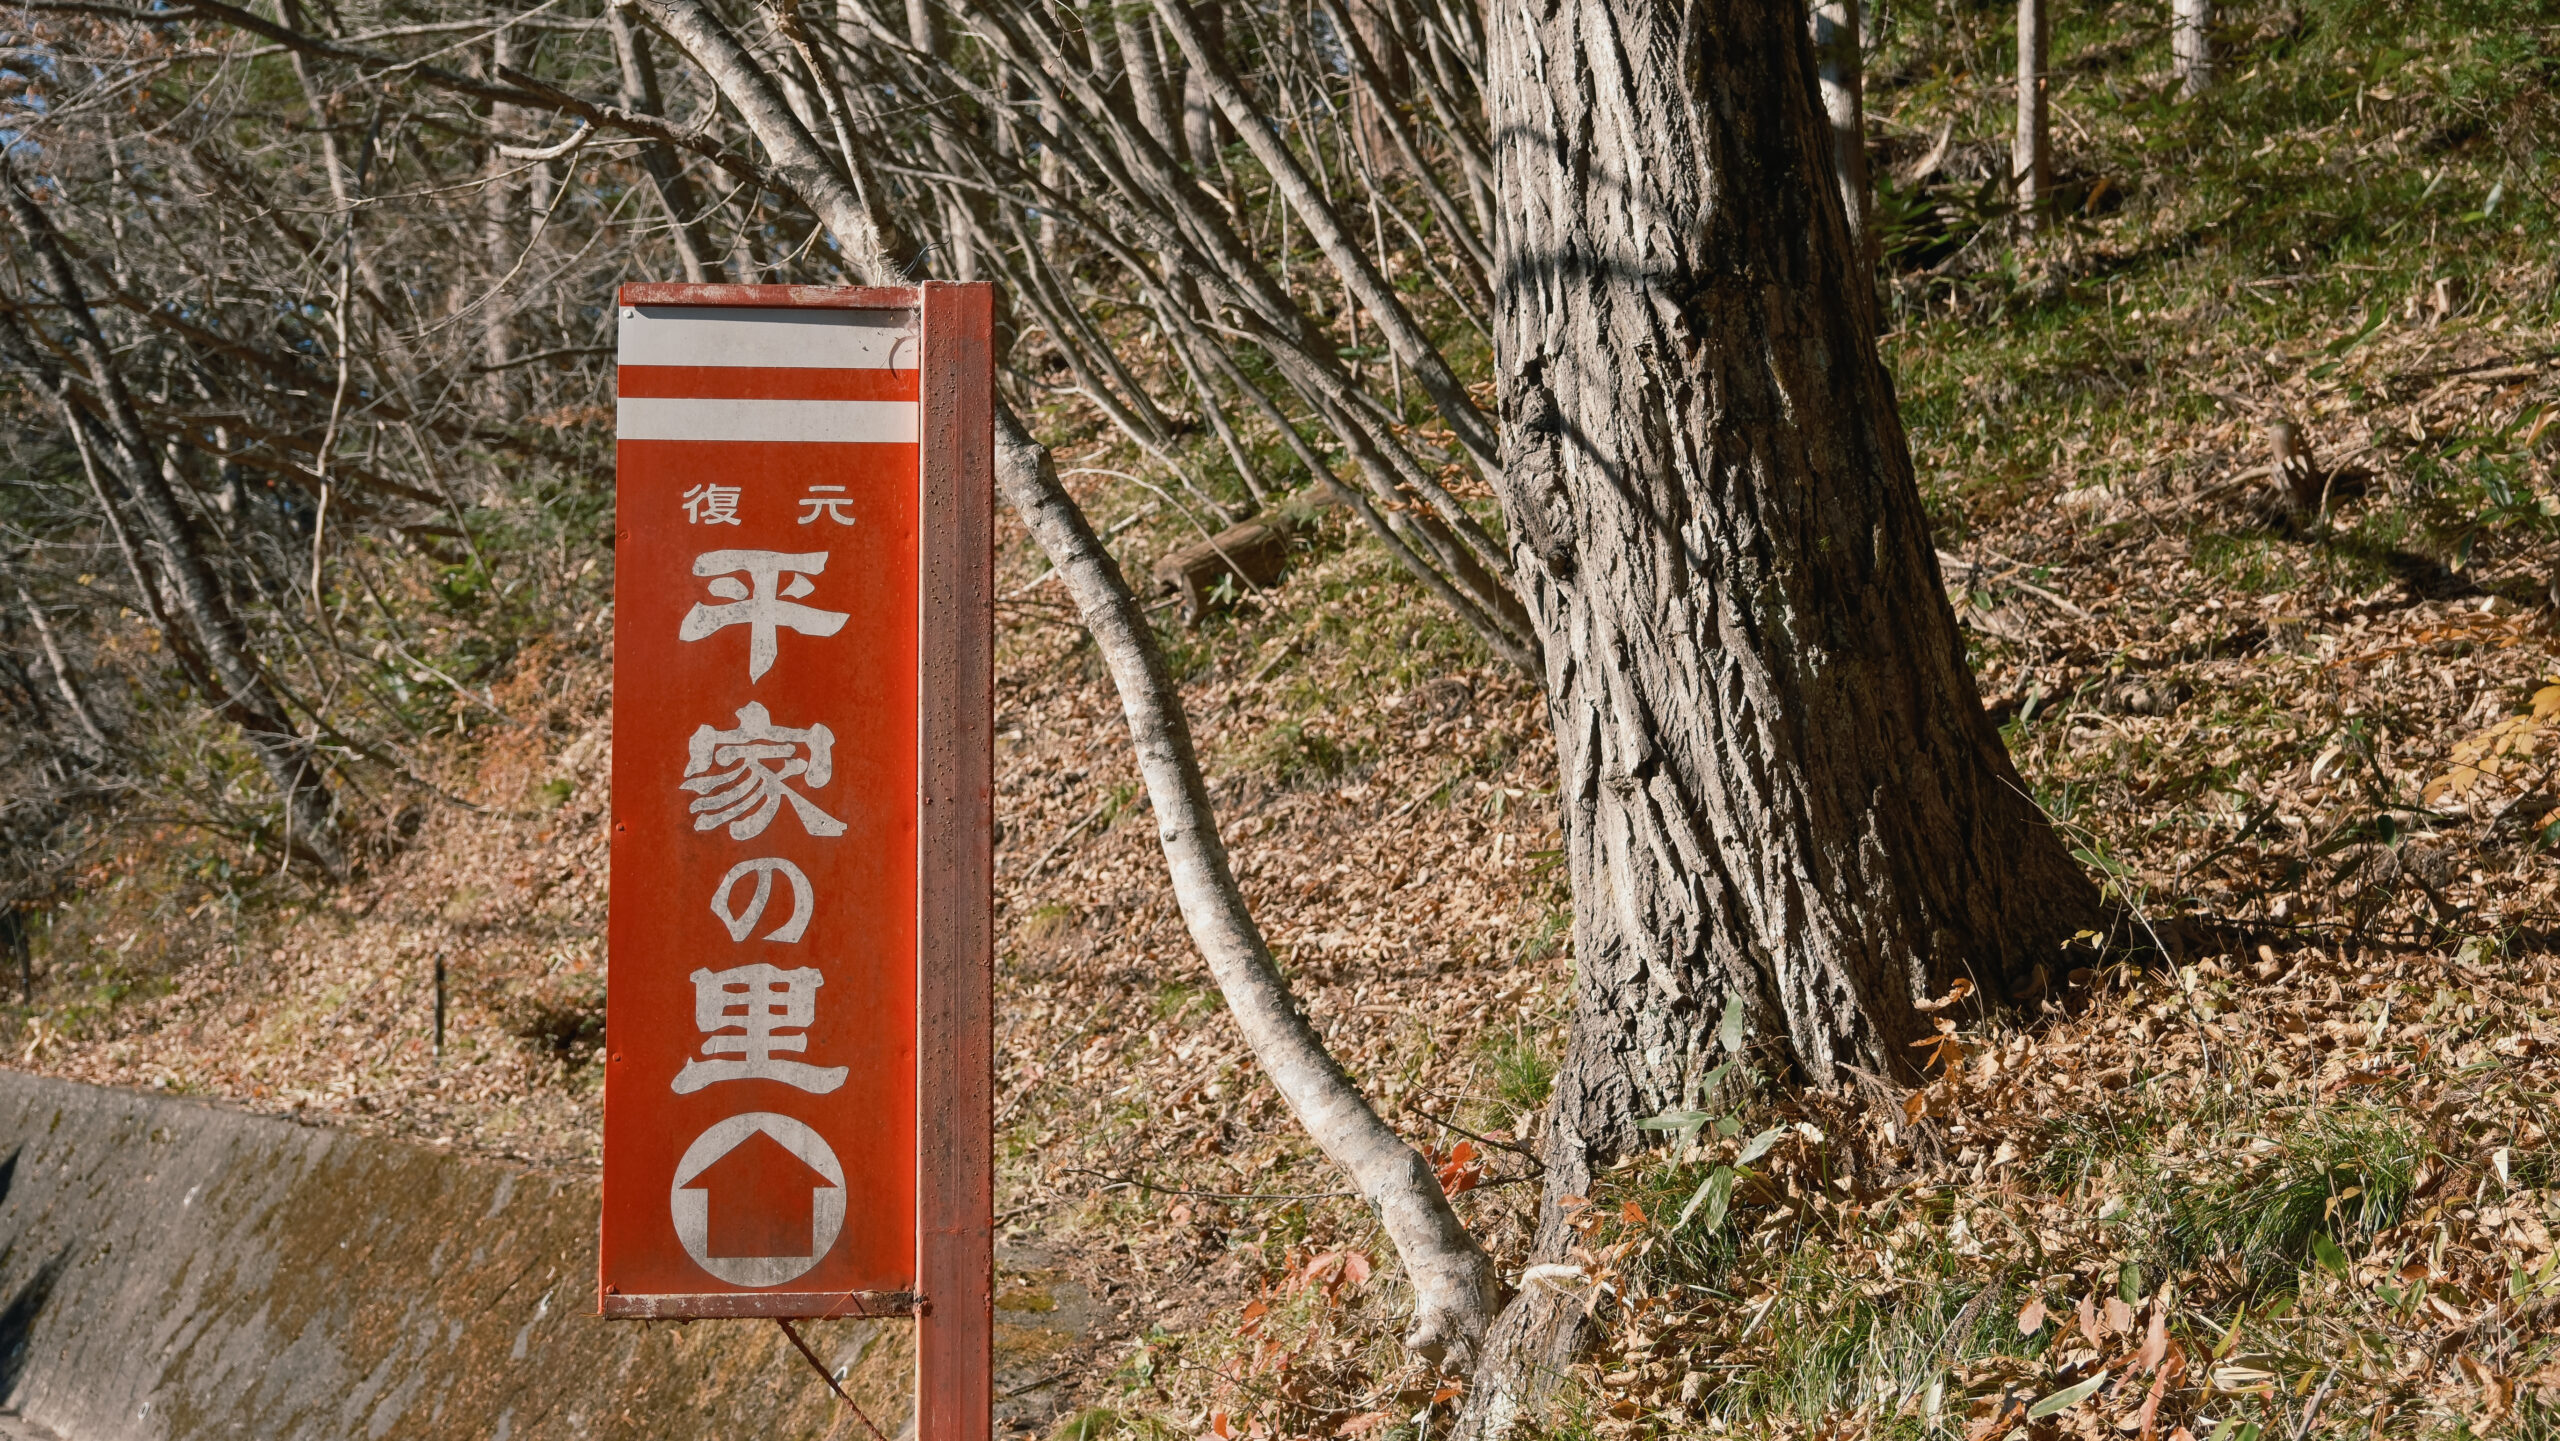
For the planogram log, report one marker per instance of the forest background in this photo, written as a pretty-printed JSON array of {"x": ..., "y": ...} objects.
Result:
[{"x": 324, "y": 835}]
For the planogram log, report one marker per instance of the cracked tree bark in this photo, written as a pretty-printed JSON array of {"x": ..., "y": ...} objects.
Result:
[{"x": 1777, "y": 780}]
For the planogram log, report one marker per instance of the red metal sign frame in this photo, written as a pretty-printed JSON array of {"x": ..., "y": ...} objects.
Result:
[{"x": 952, "y": 821}]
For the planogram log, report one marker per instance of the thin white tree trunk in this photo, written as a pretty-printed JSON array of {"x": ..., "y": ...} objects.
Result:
[
  {"x": 1138, "y": 55},
  {"x": 1841, "y": 70},
  {"x": 497, "y": 224},
  {"x": 2031, "y": 158},
  {"x": 1199, "y": 112},
  {"x": 62, "y": 678},
  {"x": 2191, "y": 44},
  {"x": 1452, "y": 1278}
]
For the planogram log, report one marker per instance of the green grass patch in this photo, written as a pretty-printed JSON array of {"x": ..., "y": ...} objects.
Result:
[
  {"x": 1519, "y": 1070},
  {"x": 2312, "y": 1196}
]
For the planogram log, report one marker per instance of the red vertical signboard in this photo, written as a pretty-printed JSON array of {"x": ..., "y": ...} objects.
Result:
[{"x": 798, "y": 1013}]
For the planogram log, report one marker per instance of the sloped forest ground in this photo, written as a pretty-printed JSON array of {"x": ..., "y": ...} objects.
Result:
[{"x": 2285, "y": 1169}]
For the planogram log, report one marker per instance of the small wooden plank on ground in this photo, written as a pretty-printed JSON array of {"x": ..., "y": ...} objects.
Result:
[{"x": 1256, "y": 553}]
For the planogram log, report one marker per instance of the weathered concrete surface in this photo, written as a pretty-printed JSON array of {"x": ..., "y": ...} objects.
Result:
[{"x": 173, "y": 1270}]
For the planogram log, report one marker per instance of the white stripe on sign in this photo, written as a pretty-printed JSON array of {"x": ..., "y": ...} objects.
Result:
[
  {"x": 755, "y": 335},
  {"x": 873, "y": 422}
]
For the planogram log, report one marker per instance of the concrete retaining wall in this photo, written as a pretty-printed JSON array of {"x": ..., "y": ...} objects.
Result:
[{"x": 170, "y": 1269}]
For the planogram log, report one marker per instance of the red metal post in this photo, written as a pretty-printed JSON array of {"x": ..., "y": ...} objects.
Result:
[{"x": 955, "y": 1082}]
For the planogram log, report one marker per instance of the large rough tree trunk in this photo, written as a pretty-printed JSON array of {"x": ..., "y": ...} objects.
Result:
[{"x": 1777, "y": 780}]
